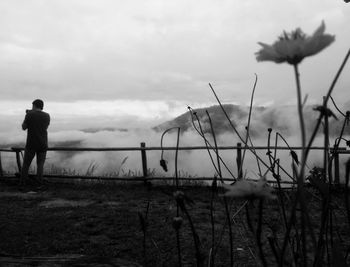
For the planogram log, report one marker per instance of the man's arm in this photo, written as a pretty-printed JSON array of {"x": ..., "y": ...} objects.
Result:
[
  {"x": 48, "y": 121},
  {"x": 24, "y": 124}
]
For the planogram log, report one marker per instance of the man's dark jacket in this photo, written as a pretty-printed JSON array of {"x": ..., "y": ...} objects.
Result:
[{"x": 37, "y": 123}]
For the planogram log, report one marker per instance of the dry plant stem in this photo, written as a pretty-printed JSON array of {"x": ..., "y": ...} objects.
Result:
[
  {"x": 177, "y": 186},
  {"x": 258, "y": 234},
  {"x": 272, "y": 162},
  {"x": 330, "y": 90},
  {"x": 280, "y": 191},
  {"x": 178, "y": 244},
  {"x": 206, "y": 142},
  {"x": 227, "y": 211},
  {"x": 337, "y": 75},
  {"x": 290, "y": 149},
  {"x": 291, "y": 222},
  {"x": 249, "y": 220},
  {"x": 325, "y": 198},
  {"x": 223, "y": 228},
  {"x": 216, "y": 145},
  {"x": 212, "y": 222},
  {"x": 195, "y": 238},
  {"x": 176, "y": 156},
  {"x": 257, "y": 160},
  {"x": 144, "y": 221},
  {"x": 337, "y": 140},
  {"x": 208, "y": 145},
  {"x": 238, "y": 134},
  {"x": 288, "y": 230},
  {"x": 324, "y": 104},
  {"x": 347, "y": 176},
  {"x": 326, "y": 202},
  {"x": 326, "y": 147},
  {"x": 243, "y": 236},
  {"x": 248, "y": 124},
  {"x": 284, "y": 214},
  {"x": 336, "y": 107},
  {"x": 320, "y": 243}
]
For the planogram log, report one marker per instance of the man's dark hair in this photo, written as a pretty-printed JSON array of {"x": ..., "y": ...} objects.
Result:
[{"x": 38, "y": 103}]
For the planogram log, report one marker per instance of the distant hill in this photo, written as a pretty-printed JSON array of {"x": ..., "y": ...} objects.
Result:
[
  {"x": 282, "y": 119},
  {"x": 105, "y": 129}
]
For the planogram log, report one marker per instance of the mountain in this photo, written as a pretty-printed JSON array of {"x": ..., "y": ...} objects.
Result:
[
  {"x": 282, "y": 119},
  {"x": 104, "y": 129}
]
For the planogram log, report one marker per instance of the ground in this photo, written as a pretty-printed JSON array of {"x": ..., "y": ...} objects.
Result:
[{"x": 100, "y": 224}]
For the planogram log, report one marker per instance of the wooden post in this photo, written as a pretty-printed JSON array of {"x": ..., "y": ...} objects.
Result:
[
  {"x": 1, "y": 171},
  {"x": 18, "y": 159},
  {"x": 239, "y": 160},
  {"x": 144, "y": 160},
  {"x": 336, "y": 167}
]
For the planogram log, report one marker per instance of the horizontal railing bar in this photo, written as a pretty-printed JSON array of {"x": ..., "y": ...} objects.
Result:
[
  {"x": 340, "y": 149},
  {"x": 344, "y": 151},
  {"x": 140, "y": 178},
  {"x": 6, "y": 150}
]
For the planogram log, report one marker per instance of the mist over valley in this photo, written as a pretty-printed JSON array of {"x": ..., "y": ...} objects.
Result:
[{"x": 281, "y": 119}]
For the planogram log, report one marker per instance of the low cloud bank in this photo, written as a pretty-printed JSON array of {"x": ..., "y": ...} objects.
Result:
[{"x": 190, "y": 163}]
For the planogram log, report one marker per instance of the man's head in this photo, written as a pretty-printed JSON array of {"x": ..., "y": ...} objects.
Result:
[{"x": 38, "y": 104}]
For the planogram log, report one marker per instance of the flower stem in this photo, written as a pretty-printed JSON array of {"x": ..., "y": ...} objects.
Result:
[
  {"x": 300, "y": 178},
  {"x": 300, "y": 109}
]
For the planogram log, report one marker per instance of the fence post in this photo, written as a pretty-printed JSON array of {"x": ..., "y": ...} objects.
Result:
[
  {"x": 18, "y": 159},
  {"x": 144, "y": 160},
  {"x": 239, "y": 160},
  {"x": 1, "y": 171},
  {"x": 336, "y": 167}
]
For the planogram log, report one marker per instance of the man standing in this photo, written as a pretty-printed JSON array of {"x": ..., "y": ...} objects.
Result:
[{"x": 36, "y": 122}]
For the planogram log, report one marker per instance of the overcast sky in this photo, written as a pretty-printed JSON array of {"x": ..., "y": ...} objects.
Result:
[{"x": 163, "y": 52}]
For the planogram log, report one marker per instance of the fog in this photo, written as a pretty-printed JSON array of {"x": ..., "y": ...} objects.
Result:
[{"x": 101, "y": 132}]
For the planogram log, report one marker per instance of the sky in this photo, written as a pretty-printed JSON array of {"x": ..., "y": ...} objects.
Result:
[
  {"x": 148, "y": 60},
  {"x": 138, "y": 63}
]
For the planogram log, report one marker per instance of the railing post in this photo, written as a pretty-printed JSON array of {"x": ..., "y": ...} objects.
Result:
[
  {"x": 18, "y": 159},
  {"x": 1, "y": 171},
  {"x": 336, "y": 167},
  {"x": 144, "y": 160},
  {"x": 239, "y": 160}
]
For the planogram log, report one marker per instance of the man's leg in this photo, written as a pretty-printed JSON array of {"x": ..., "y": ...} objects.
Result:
[
  {"x": 27, "y": 160},
  {"x": 40, "y": 160}
]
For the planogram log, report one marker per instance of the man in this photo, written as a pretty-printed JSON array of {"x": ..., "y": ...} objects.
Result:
[{"x": 36, "y": 122}]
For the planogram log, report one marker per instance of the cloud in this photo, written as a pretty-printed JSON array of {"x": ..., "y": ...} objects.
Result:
[
  {"x": 191, "y": 163},
  {"x": 156, "y": 50}
]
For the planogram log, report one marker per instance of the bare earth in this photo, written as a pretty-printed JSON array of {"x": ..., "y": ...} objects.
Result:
[{"x": 99, "y": 225}]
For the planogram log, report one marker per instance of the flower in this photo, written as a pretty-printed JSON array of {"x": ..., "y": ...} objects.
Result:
[
  {"x": 249, "y": 189},
  {"x": 295, "y": 46}
]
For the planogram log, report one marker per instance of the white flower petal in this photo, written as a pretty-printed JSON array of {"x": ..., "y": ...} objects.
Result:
[
  {"x": 293, "y": 47},
  {"x": 320, "y": 30},
  {"x": 249, "y": 189},
  {"x": 268, "y": 53},
  {"x": 316, "y": 44}
]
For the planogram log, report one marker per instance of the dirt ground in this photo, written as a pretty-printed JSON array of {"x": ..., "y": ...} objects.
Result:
[{"x": 99, "y": 225}]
